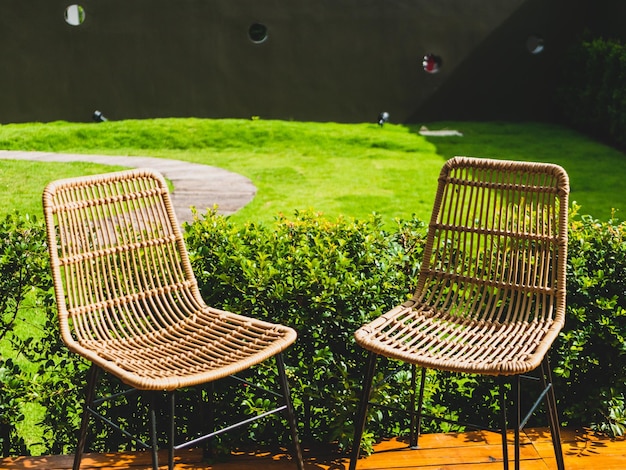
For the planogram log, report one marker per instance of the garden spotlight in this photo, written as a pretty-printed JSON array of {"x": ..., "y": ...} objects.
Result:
[
  {"x": 383, "y": 118},
  {"x": 98, "y": 116}
]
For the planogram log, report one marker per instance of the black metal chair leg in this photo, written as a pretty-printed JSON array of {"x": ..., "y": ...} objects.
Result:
[
  {"x": 420, "y": 406},
  {"x": 503, "y": 428},
  {"x": 359, "y": 424},
  {"x": 92, "y": 378},
  {"x": 291, "y": 415},
  {"x": 416, "y": 419},
  {"x": 517, "y": 418},
  {"x": 172, "y": 431},
  {"x": 153, "y": 431},
  {"x": 413, "y": 424},
  {"x": 553, "y": 415}
]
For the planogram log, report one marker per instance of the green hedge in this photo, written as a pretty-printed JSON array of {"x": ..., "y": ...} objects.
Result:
[
  {"x": 24, "y": 279},
  {"x": 325, "y": 278},
  {"x": 590, "y": 355},
  {"x": 591, "y": 95}
]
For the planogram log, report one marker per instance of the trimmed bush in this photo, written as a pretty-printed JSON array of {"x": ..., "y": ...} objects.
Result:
[
  {"x": 590, "y": 355},
  {"x": 23, "y": 276},
  {"x": 325, "y": 278}
]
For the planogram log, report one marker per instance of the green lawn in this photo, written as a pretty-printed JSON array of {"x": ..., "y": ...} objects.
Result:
[
  {"x": 350, "y": 169},
  {"x": 597, "y": 171}
]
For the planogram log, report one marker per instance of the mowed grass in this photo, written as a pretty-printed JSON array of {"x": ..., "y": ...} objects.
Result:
[
  {"x": 348, "y": 169},
  {"x": 597, "y": 171},
  {"x": 331, "y": 168},
  {"x": 22, "y": 182}
]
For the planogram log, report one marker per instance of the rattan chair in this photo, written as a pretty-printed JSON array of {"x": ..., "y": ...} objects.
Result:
[
  {"x": 128, "y": 300},
  {"x": 490, "y": 296}
]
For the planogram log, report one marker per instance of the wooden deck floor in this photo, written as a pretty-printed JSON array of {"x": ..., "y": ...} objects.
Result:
[{"x": 474, "y": 451}]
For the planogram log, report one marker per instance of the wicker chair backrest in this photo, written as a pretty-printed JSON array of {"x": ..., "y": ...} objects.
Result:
[
  {"x": 118, "y": 255},
  {"x": 496, "y": 237}
]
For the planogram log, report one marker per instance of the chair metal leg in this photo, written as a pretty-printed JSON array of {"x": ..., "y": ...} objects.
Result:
[
  {"x": 553, "y": 415},
  {"x": 172, "y": 431},
  {"x": 90, "y": 391},
  {"x": 517, "y": 418},
  {"x": 291, "y": 415},
  {"x": 416, "y": 419},
  {"x": 503, "y": 427},
  {"x": 361, "y": 416},
  {"x": 413, "y": 423},
  {"x": 210, "y": 419},
  {"x": 153, "y": 431}
]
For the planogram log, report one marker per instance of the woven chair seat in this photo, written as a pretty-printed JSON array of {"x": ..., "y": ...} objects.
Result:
[
  {"x": 487, "y": 300},
  {"x": 128, "y": 299},
  {"x": 209, "y": 345},
  {"x": 418, "y": 334}
]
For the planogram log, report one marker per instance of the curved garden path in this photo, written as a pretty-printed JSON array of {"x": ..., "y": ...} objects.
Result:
[{"x": 201, "y": 186}]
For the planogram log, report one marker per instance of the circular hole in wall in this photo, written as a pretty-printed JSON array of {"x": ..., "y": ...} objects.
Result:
[
  {"x": 74, "y": 15},
  {"x": 431, "y": 63},
  {"x": 534, "y": 44},
  {"x": 257, "y": 33}
]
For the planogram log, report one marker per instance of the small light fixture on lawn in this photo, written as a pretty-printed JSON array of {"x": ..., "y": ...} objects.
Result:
[
  {"x": 383, "y": 118},
  {"x": 98, "y": 116}
]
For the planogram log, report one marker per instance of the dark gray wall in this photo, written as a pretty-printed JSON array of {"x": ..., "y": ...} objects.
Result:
[
  {"x": 607, "y": 19},
  {"x": 324, "y": 60}
]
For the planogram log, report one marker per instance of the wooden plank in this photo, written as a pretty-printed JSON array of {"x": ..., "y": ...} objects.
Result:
[
  {"x": 597, "y": 462},
  {"x": 472, "y": 454},
  {"x": 102, "y": 461},
  {"x": 526, "y": 465},
  {"x": 476, "y": 450}
]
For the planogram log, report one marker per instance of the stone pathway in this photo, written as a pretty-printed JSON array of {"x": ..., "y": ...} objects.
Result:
[{"x": 200, "y": 186}]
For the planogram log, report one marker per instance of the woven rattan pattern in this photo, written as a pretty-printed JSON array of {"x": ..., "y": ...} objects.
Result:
[
  {"x": 127, "y": 297},
  {"x": 490, "y": 296}
]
